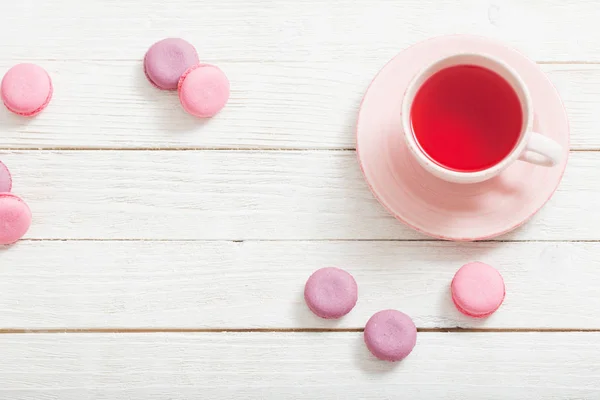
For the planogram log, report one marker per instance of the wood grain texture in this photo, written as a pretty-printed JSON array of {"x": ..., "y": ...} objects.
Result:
[
  {"x": 225, "y": 285},
  {"x": 469, "y": 366},
  {"x": 239, "y": 195},
  {"x": 110, "y": 104},
  {"x": 290, "y": 30},
  {"x": 210, "y": 238}
]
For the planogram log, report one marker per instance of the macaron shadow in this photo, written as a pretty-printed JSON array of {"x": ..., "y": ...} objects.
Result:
[
  {"x": 367, "y": 362},
  {"x": 11, "y": 121},
  {"x": 447, "y": 308},
  {"x": 171, "y": 116},
  {"x": 304, "y": 317}
]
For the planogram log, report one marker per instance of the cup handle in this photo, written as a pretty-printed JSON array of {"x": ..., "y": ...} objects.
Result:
[{"x": 541, "y": 150}]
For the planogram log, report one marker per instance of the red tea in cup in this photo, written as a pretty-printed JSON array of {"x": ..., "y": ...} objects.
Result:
[{"x": 466, "y": 118}]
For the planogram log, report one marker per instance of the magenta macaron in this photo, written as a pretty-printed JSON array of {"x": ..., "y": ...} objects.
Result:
[
  {"x": 477, "y": 290},
  {"x": 390, "y": 335},
  {"x": 203, "y": 90},
  {"x": 15, "y": 218},
  {"x": 331, "y": 293},
  {"x": 26, "y": 89},
  {"x": 167, "y": 60}
]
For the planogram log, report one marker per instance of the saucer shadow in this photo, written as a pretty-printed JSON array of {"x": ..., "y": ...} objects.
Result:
[
  {"x": 171, "y": 115},
  {"x": 458, "y": 253}
]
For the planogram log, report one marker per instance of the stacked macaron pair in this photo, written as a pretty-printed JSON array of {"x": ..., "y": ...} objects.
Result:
[
  {"x": 173, "y": 64},
  {"x": 15, "y": 215},
  {"x": 26, "y": 90},
  {"x": 477, "y": 291}
]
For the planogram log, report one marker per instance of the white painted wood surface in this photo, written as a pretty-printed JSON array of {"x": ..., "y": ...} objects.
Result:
[
  {"x": 291, "y": 105},
  {"x": 244, "y": 195},
  {"x": 146, "y": 219},
  {"x": 214, "y": 285},
  {"x": 326, "y": 365},
  {"x": 290, "y": 30}
]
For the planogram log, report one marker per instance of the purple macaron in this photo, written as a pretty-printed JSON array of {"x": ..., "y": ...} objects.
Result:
[
  {"x": 331, "y": 293},
  {"x": 390, "y": 335},
  {"x": 167, "y": 60}
]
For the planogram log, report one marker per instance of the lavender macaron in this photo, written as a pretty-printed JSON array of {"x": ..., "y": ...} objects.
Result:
[
  {"x": 167, "y": 60},
  {"x": 390, "y": 335},
  {"x": 331, "y": 293}
]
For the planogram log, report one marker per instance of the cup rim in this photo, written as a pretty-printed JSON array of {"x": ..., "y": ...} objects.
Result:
[{"x": 462, "y": 176}]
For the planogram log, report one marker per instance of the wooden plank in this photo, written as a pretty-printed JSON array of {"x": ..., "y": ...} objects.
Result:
[
  {"x": 273, "y": 105},
  {"x": 293, "y": 31},
  {"x": 216, "y": 285},
  {"x": 237, "y": 195},
  {"x": 495, "y": 366}
]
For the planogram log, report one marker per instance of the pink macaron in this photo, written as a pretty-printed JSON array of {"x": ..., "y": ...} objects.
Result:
[
  {"x": 203, "y": 90},
  {"x": 167, "y": 60},
  {"x": 390, "y": 335},
  {"x": 26, "y": 89},
  {"x": 5, "y": 179},
  {"x": 331, "y": 293},
  {"x": 15, "y": 218},
  {"x": 477, "y": 289}
]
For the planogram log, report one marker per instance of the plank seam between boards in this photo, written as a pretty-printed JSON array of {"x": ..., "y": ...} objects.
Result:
[
  {"x": 12, "y": 331},
  {"x": 424, "y": 240},
  {"x": 255, "y": 61},
  {"x": 191, "y": 148},
  {"x": 248, "y": 149}
]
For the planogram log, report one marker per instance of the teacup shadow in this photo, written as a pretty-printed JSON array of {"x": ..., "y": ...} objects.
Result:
[
  {"x": 500, "y": 184},
  {"x": 172, "y": 116},
  {"x": 537, "y": 124}
]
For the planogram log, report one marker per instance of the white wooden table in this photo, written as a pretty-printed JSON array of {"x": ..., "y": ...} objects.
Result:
[{"x": 168, "y": 255}]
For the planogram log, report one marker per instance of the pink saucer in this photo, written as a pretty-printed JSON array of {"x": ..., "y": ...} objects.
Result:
[{"x": 430, "y": 205}]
